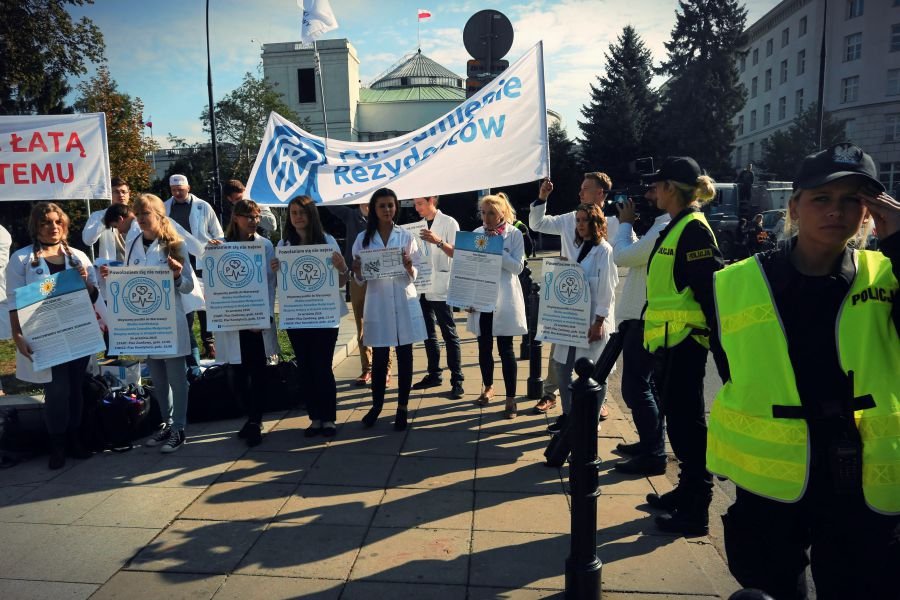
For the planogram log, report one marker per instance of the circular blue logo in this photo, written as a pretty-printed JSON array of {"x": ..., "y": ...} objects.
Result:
[
  {"x": 308, "y": 273},
  {"x": 235, "y": 269},
  {"x": 142, "y": 296},
  {"x": 569, "y": 286}
]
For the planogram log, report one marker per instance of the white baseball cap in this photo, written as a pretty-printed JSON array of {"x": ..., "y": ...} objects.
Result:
[{"x": 178, "y": 180}]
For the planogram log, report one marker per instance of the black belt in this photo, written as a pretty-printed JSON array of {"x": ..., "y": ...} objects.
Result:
[{"x": 800, "y": 412}]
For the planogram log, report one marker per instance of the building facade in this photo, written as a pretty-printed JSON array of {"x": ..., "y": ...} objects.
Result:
[{"x": 779, "y": 68}]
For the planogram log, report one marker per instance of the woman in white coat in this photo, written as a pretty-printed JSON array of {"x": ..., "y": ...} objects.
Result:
[
  {"x": 595, "y": 256},
  {"x": 314, "y": 347},
  {"x": 508, "y": 318},
  {"x": 160, "y": 245},
  {"x": 49, "y": 254},
  {"x": 392, "y": 314}
]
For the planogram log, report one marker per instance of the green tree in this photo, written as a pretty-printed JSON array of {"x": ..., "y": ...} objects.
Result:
[
  {"x": 565, "y": 171},
  {"x": 128, "y": 146},
  {"x": 241, "y": 122},
  {"x": 41, "y": 47},
  {"x": 703, "y": 95},
  {"x": 616, "y": 129},
  {"x": 783, "y": 151}
]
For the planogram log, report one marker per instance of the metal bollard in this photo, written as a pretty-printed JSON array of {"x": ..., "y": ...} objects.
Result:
[
  {"x": 583, "y": 567},
  {"x": 535, "y": 380},
  {"x": 526, "y": 282}
]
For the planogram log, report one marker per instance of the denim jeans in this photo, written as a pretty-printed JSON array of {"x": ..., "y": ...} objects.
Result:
[{"x": 639, "y": 389}]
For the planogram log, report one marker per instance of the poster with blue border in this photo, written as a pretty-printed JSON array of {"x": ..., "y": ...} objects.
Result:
[
  {"x": 475, "y": 271},
  {"x": 141, "y": 311},
  {"x": 564, "y": 316},
  {"x": 58, "y": 319},
  {"x": 236, "y": 286},
  {"x": 308, "y": 287}
]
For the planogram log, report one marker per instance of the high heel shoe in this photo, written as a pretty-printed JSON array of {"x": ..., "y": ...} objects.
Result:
[
  {"x": 400, "y": 419},
  {"x": 371, "y": 417},
  {"x": 486, "y": 396},
  {"x": 510, "y": 409}
]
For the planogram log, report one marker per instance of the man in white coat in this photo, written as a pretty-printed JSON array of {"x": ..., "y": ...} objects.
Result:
[
  {"x": 197, "y": 217},
  {"x": 112, "y": 241},
  {"x": 594, "y": 189},
  {"x": 441, "y": 230},
  {"x": 233, "y": 191}
]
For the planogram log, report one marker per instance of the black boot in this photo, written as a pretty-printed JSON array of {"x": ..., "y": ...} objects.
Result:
[
  {"x": 75, "y": 447},
  {"x": 371, "y": 416},
  {"x": 690, "y": 518},
  {"x": 668, "y": 501},
  {"x": 57, "y": 452},
  {"x": 400, "y": 419}
]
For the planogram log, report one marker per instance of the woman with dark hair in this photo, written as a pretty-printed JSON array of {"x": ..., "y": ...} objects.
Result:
[
  {"x": 247, "y": 350},
  {"x": 314, "y": 347},
  {"x": 48, "y": 254},
  {"x": 393, "y": 316}
]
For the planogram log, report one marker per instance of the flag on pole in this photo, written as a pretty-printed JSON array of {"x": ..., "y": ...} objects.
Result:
[
  {"x": 149, "y": 124},
  {"x": 424, "y": 14},
  {"x": 318, "y": 19}
]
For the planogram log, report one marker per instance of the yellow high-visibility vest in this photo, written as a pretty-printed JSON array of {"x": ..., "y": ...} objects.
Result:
[
  {"x": 770, "y": 456},
  {"x": 671, "y": 315}
]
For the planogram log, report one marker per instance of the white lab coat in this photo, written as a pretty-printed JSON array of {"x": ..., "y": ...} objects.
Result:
[
  {"x": 156, "y": 257},
  {"x": 333, "y": 243},
  {"x": 392, "y": 315},
  {"x": 228, "y": 343},
  {"x": 20, "y": 272},
  {"x": 564, "y": 227},
  {"x": 445, "y": 227},
  {"x": 204, "y": 225},
  {"x": 634, "y": 253},
  {"x": 5, "y": 245},
  {"x": 95, "y": 230},
  {"x": 603, "y": 277},
  {"x": 509, "y": 313}
]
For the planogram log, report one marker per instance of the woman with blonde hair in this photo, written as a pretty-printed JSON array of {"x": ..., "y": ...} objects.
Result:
[
  {"x": 49, "y": 254},
  {"x": 679, "y": 307},
  {"x": 159, "y": 245}
]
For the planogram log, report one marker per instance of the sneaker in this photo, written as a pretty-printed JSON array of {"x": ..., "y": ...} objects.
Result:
[
  {"x": 457, "y": 391},
  {"x": 176, "y": 440},
  {"x": 429, "y": 381},
  {"x": 558, "y": 425},
  {"x": 544, "y": 404},
  {"x": 642, "y": 465},
  {"x": 629, "y": 449},
  {"x": 161, "y": 435}
]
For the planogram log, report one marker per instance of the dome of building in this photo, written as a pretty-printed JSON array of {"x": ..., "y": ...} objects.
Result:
[{"x": 418, "y": 70}]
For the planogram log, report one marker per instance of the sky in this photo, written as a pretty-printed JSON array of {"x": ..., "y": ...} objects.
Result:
[{"x": 157, "y": 50}]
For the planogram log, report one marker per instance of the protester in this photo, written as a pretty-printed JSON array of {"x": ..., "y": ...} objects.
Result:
[
  {"x": 806, "y": 424},
  {"x": 393, "y": 316},
  {"x": 638, "y": 387},
  {"x": 198, "y": 219},
  {"x": 112, "y": 241},
  {"x": 594, "y": 189},
  {"x": 595, "y": 256},
  {"x": 233, "y": 191},
  {"x": 48, "y": 254},
  {"x": 441, "y": 230},
  {"x": 314, "y": 347},
  {"x": 246, "y": 351},
  {"x": 159, "y": 244},
  {"x": 679, "y": 306},
  {"x": 5, "y": 333}
]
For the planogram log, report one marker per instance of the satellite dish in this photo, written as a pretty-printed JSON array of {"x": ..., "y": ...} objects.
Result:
[{"x": 488, "y": 35}]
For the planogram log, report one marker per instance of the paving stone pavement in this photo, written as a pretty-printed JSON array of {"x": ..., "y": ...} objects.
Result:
[{"x": 459, "y": 506}]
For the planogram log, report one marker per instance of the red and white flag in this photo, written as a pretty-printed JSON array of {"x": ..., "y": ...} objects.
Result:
[{"x": 424, "y": 14}]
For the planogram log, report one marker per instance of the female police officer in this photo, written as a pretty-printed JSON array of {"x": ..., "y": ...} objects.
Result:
[
  {"x": 679, "y": 304},
  {"x": 808, "y": 423}
]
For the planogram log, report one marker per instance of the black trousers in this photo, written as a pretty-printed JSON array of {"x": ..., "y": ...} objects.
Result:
[
  {"x": 855, "y": 552},
  {"x": 379, "y": 374},
  {"x": 679, "y": 379},
  {"x": 314, "y": 349},
  {"x": 486, "y": 358},
  {"x": 639, "y": 389},
  {"x": 437, "y": 310},
  {"x": 64, "y": 397},
  {"x": 248, "y": 378}
]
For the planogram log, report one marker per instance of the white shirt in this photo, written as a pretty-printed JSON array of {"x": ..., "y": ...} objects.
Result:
[
  {"x": 634, "y": 253},
  {"x": 564, "y": 227}
]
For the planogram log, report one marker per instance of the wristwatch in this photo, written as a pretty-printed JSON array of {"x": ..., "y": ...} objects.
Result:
[{"x": 440, "y": 244}]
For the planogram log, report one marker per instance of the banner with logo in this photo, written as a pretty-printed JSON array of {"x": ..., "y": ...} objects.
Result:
[
  {"x": 236, "y": 287},
  {"x": 54, "y": 157},
  {"x": 564, "y": 315},
  {"x": 141, "y": 311},
  {"x": 475, "y": 271},
  {"x": 496, "y": 138}
]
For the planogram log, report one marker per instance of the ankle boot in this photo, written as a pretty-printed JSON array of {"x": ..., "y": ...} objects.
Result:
[
  {"x": 57, "y": 452},
  {"x": 371, "y": 416},
  {"x": 690, "y": 518},
  {"x": 75, "y": 446},
  {"x": 400, "y": 419}
]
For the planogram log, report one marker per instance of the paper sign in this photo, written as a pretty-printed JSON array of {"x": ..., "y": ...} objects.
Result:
[
  {"x": 141, "y": 311},
  {"x": 424, "y": 268},
  {"x": 236, "y": 287},
  {"x": 564, "y": 316},
  {"x": 475, "y": 271},
  {"x": 308, "y": 288},
  {"x": 382, "y": 263}
]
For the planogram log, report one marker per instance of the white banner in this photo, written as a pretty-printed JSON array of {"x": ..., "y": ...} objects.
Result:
[
  {"x": 309, "y": 292},
  {"x": 497, "y": 137},
  {"x": 236, "y": 286},
  {"x": 54, "y": 157},
  {"x": 564, "y": 315},
  {"x": 141, "y": 314}
]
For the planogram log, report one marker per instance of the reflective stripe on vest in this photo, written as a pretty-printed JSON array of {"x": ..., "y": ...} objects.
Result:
[
  {"x": 670, "y": 314},
  {"x": 769, "y": 456}
]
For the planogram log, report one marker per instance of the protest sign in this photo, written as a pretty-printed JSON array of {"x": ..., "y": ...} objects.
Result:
[
  {"x": 308, "y": 289},
  {"x": 141, "y": 314},
  {"x": 475, "y": 271},
  {"x": 382, "y": 263},
  {"x": 423, "y": 268},
  {"x": 564, "y": 315},
  {"x": 236, "y": 287}
]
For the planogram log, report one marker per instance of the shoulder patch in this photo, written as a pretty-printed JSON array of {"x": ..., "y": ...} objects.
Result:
[{"x": 699, "y": 254}]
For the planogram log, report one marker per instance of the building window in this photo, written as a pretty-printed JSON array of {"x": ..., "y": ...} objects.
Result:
[
  {"x": 801, "y": 62},
  {"x": 855, "y": 8},
  {"x": 769, "y": 47},
  {"x": 767, "y": 114},
  {"x": 306, "y": 86},
  {"x": 893, "y": 82},
  {"x": 768, "y": 80},
  {"x": 752, "y": 120},
  {"x": 798, "y": 102},
  {"x": 751, "y": 151},
  {"x": 849, "y": 89},
  {"x": 890, "y": 176},
  {"x": 755, "y": 56},
  {"x": 738, "y": 163},
  {"x": 743, "y": 63},
  {"x": 740, "y": 127},
  {"x": 802, "y": 28},
  {"x": 782, "y": 108},
  {"x": 783, "y": 72},
  {"x": 852, "y": 47},
  {"x": 753, "y": 87},
  {"x": 895, "y": 38},
  {"x": 785, "y": 37},
  {"x": 892, "y": 131}
]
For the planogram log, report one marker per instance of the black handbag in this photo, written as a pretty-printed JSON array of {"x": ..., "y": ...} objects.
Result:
[
  {"x": 210, "y": 397},
  {"x": 283, "y": 386}
]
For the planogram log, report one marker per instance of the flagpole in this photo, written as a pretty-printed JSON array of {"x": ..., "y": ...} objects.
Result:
[{"x": 321, "y": 87}]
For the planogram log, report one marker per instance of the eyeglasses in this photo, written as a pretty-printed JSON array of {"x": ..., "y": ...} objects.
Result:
[{"x": 250, "y": 218}]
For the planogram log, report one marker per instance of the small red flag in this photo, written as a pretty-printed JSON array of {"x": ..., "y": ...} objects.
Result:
[
  {"x": 424, "y": 14},
  {"x": 149, "y": 124}
]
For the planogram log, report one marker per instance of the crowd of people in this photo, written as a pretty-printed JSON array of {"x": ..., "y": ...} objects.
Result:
[{"x": 805, "y": 336}]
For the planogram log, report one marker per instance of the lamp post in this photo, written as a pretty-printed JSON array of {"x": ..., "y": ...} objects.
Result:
[{"x": 217, "y": 189}]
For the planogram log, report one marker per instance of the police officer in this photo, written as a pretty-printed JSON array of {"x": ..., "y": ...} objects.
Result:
[
  {"x": 679, "y": 305},
  {"x": 808, "y": 423}
]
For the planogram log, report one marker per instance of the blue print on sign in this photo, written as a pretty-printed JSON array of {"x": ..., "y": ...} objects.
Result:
[
  {"x": 308, "y": 273},
  {"x": 235, "y": 270},
  {"x": 142, "y": 296},
  {"x": 569, "y": 287}
]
